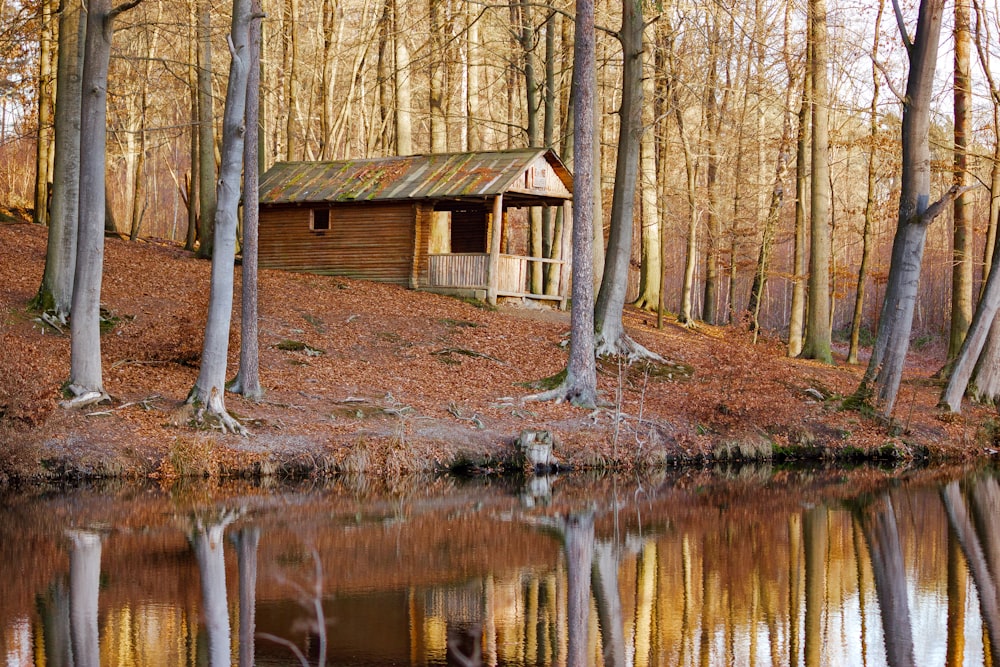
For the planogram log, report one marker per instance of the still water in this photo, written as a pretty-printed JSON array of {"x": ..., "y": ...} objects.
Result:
[{"x": 728, "y": 567}]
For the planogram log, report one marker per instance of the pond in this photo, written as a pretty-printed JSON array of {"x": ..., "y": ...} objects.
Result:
[{"x": 739, "y": 566}]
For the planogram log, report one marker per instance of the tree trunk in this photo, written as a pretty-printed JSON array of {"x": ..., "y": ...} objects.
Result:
[
  {"x": 208, "y": 392},
  {"x": 247, "y": 380},
  {"x": 797, "y": 317},
  {"x": 56, "y": 291},
  {"x": 964, "y": 238},
  {"x": 206, "y": 132},
  {"x": 651, "y": 265},
  {"x": 440, "y": 236},
  {"x": 866, "y": 235},
  {"x": 819, "y": 332},
  {"x": 614, "y": 284},
  {"x": 713, "y": 123},
  {"x": 885, "y": 368},
  {"x": 580, "y": 385},
  {"x": 292, "y": 138},
  {"x": 46, "y": 95},
  {"x": 404, "y": 105},
  {"x": 85, "y": 379},
  {"x": 815, "y": 539},
  {"x": 193, "y": 197}
]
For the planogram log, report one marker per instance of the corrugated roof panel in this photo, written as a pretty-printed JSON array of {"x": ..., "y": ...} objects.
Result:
[{"x": 440, "y": 176}]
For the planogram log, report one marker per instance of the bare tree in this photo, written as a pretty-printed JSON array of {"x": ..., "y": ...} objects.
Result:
[
  {"x": 885, "y": 368},
  {"x": 247, "y": 380},
  {"x": 580, "y": 384},
  {"x": 56, "y": 291},
  {"x": 819, "y": 330},
  {"x": 206, "y": 132},
  {"x": 85, "y": 380},
  {"x": 208, "y": 393}
]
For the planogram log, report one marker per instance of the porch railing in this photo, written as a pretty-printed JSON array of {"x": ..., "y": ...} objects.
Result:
[{"x": 471, "y": 271}]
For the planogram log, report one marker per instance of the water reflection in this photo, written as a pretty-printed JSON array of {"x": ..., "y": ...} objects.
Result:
[{"x": 807, "y": 568}]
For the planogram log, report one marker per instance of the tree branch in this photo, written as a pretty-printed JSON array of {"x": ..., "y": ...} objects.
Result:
[
  {"x": 902, "y": 26},
  {"x": 935, "y": 209},
  {"x": 888, "y": 80},
  {"x": 124, "y": 7}
]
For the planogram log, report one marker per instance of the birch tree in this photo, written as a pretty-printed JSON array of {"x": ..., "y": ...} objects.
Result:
[{"x": 208, "y": 393}]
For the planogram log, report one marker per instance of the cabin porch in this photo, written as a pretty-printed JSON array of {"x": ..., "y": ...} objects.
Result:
[{"x": 468, "y": 274}]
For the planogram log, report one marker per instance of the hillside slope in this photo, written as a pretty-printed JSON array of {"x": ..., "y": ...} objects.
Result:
[{"x": 366, "y": 377}]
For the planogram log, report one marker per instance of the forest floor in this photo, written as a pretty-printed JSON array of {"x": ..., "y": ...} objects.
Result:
[{"x": 367, "y": 377}]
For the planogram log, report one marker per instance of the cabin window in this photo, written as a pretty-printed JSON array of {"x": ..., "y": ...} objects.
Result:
[{"x": 320, "y": 220}]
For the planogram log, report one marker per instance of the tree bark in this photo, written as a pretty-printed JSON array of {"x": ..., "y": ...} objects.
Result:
[
  {"x": 46, "y": 95},
  {"x": 651, "y": 267},
  {"x": 797, "y": 317},
  {"x": 819, "y": 332},
  {"x": 206, "y": 132},
  {"x": 208, "y": 392},
  {"x": 611, "y": 298},
  {"x": 963, "y": 237},
  {"x": 85, "y": 380},
  {"x": 56, "y": 291},
  {"x": 402, "y": 74},
  {"x": 885, "y": 368},
  {"x": 247, "y": 380}
]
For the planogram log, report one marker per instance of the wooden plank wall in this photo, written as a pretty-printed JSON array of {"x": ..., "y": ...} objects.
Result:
[{"x": 368, "y": 241}]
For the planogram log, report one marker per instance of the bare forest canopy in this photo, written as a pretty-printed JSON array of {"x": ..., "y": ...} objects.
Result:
[{"x": 365, "y": 78}]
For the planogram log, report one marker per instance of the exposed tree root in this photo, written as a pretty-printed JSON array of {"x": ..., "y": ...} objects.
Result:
[
  {"x": 213, "y": 414},
  {"x": 623, "y": 346},
  {"x": 84, "y": 397}
]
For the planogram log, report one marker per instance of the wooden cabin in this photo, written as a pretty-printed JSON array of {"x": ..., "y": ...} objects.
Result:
[{"x": 375, "y": 220}]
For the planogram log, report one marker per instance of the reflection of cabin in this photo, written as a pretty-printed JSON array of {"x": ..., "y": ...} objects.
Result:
[{"x": 372, "y": 219}]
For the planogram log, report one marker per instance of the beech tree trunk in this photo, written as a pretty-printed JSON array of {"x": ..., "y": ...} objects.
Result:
[
  {"x": 885, "y": 368},
  {"x": 206, "y": 132},
  {"x": 651, "y": 267},
  {"x": 56, "y": 291},
  {"x": 404, "y": 104},
  {"x": 46, "y": 94},
  {"x": 819, "y": 332},
  {"x": 614, "y": 284},
  {"x": 797, "y": 317},
  {"x": 963, "y": 237},
  {"x": 85, "y": 380},
  {"x": 247, "y": 380},
  {"x": 208, "y": 392}
]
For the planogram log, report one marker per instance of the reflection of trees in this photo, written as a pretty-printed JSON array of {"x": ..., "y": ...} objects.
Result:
[
  {"x": 578, "y": 544},
  {"x": 207, "y": 543},
  {"x": 604, "y": 578},
  {"x": 53, "y": 609},
  {"x": 246, "y": 541},
  {"x": 878, "y": 524},
  {"x": 814, "y": 536},
  {"x": 84, "y": 585},
  {"x": 978, "y": 544}
]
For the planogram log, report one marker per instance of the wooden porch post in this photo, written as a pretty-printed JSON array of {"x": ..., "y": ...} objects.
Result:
[{"x": 492, "y": 274}]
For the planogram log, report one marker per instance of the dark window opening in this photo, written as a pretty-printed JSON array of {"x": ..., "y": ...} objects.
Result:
[{"x": 320, "y": 221}]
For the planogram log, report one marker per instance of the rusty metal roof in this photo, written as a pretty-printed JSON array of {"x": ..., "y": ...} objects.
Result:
[{"x": 436, "y": 176}]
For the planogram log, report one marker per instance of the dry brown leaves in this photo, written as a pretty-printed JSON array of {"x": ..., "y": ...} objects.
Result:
[{"x": 376, "y": 368}]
